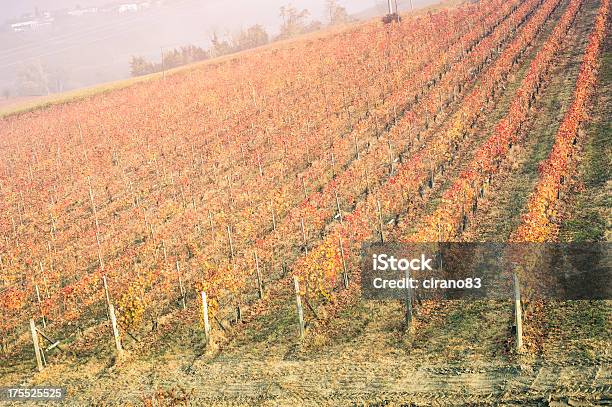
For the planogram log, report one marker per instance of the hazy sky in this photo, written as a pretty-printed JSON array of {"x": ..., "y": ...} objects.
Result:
[
  {"x": 98, "y": 48},
  {"x": 256, "y": 8}
]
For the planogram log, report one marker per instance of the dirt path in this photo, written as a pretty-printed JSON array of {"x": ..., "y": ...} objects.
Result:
[{"x": 345, "y": 380}]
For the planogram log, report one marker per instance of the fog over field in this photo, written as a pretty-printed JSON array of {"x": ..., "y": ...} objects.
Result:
[{"x": 85, "y": 42}]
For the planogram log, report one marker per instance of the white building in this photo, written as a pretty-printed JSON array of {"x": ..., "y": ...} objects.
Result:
[
  {"x": 124, "y": 8},
  {"x": 30, "y": 25},
  {"x": 24, "y": 25},
  {"x": 82, "y": 11}
]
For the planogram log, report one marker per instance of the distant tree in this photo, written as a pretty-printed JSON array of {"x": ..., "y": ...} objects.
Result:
[
  {"x": 336, "y": 13},
  {"x": 254, "y": 36},
  {"x": 183, "y": 56},
  {"x": 33, "y": 78},
  {"x": 171, "y": 59},
  {"x": 58, "y": 78},
  {"x": 140, "y": 66},
  {"x": 191, "y": 53},
  {"x": 294, "y": 21},
  {"x": 220, "y": 46},
  {"x": 6, "y": 92},
  {"x": 257, "y": 35},
  {"x": 312, "y": 26}
]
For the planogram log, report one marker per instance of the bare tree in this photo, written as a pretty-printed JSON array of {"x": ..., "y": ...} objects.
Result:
[
  {"x": 336, "y": 13},
  {"x": 294, "y": 21},
  {"x": 252, "y": 37},
  {"x": 58, "y": 78},
  {"x": 219, "y": 46},
  {"x": 33, "y": 78}
]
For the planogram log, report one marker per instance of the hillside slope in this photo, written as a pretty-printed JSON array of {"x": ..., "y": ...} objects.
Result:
[{"x": 355, "y": 352}]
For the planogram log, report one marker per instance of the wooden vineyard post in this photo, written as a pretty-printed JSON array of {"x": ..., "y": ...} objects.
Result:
[
  {"x": 165, "y": 252},
  {"x": 304, "y": 241},
  {"x": 367, "y": 179},
  {"x": 111, "y": 311},
  {"x": 95, "y": 213},
  {"x": 273, "y": 218},
  {"x": 300, "y": 310},
  {"x": 259, "y": 282},
  {"x": 37, "y": 351},
  {"x": 338, "y": 206},
  {"x": 108, "y": 302},
  {"x": 212, "y": 225},
  {"x": 205, "y": 318},
  {"x": 230, "y": 242},
  {"x": 344, "y": 267},
  {"x": 181, "y": 288},
  {"x": 518, "y": 313},
  {"x": 390, "y": 158},
  {"x": 304, "y": 188},
  {"x": 42, "y": 273},
  {"x": 106, "y": 294},
  {"x": 431, "y": 176},
  {"x": 380, "y": 222},
  {"x": 408, "y": 301},
  {"x": 238, "y": 313},
  {"x": 42, "y": 311},
  {"x": 183, "y": 302}
]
